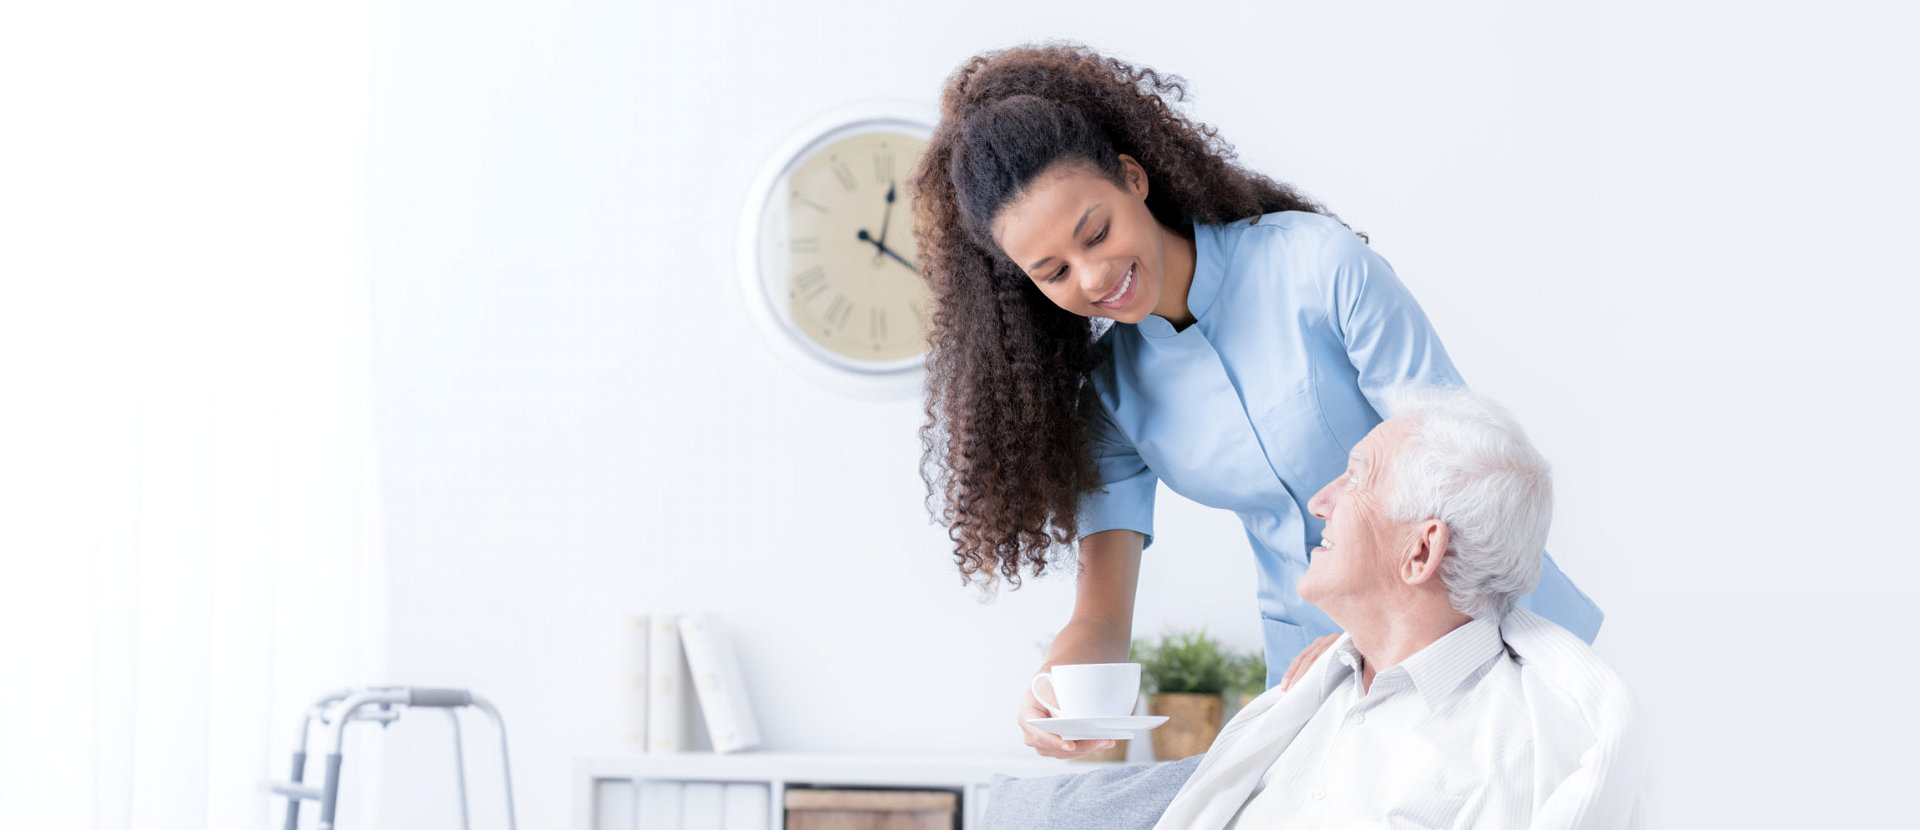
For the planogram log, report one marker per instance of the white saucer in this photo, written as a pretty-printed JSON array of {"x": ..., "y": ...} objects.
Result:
[{"x": 1119, "y": 727}]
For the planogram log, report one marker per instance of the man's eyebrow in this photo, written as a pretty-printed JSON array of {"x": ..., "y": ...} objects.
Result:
[{"x": 1076, "y": 233}]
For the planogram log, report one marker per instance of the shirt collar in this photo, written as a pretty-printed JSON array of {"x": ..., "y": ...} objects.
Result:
[
  {"x": 1209, "y": 269},
  {"x": 1437, "y": 670},
  {"x": 1440, "y": 668},
  {"x": 1347, "y": 659}
]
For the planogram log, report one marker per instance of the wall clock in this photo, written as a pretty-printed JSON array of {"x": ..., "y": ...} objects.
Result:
[{"x": 827, "y": 256}]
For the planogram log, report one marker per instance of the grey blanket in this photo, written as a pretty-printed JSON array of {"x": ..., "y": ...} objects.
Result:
[{"x": 1112, "y": 798}]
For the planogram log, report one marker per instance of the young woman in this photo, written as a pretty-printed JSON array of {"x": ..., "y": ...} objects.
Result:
[{"x": 1250, "y": 332}]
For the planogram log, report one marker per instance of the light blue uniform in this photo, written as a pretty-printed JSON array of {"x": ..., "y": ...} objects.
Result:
[{"x": 1254, "y": 407}]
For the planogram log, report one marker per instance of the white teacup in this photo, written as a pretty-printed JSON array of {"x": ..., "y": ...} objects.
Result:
[{"x": 1090, "y": 690}]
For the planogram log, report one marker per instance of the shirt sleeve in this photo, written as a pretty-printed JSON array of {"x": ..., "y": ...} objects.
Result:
[
  {"x": 1125, "y": 500},
  {"x": 1387, "y": 336}
]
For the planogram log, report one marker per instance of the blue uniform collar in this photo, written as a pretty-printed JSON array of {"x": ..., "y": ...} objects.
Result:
[{"x": 1208, "y": 271}]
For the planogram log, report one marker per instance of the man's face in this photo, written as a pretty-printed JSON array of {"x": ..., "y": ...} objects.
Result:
[{"x": 1356, "y": 565}]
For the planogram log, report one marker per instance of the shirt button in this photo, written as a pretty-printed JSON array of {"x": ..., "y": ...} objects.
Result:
[
  {"x": 1359, "y": 718},
  {"x": 1319, "y": 793}
]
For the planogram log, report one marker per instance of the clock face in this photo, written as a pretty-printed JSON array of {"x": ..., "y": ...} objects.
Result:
[{"x": 838, "y": 255}]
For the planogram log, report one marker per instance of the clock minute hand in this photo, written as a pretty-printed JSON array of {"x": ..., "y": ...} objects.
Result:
[
  {"x": 889, "y": 252},
  {"x": 884, "y": 250}
]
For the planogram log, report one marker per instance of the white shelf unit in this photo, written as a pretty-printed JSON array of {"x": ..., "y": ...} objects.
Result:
[{"x": 598, "y": 780}]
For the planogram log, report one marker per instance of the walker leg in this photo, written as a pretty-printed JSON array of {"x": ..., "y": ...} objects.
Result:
[
  {"x": 506, "y": 763},
  {"x": 293, "y": 803},
  {"x": 506, "y": 773},
  {"x": 459, "y": 768}
]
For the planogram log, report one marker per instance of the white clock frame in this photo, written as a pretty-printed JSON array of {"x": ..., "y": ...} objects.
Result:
[{"x": 901, "y": 378}]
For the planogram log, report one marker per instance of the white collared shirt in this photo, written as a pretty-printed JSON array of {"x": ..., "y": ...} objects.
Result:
[{"x": 1440, "y": 740}]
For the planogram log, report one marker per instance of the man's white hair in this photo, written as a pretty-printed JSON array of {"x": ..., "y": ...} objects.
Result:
[{"x": 1467, "y": 463}]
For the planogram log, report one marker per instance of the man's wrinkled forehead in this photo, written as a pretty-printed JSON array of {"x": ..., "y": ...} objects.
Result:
[
  {"x": 1371, "y": 456},
  {"x": 1360, "y": 462}
]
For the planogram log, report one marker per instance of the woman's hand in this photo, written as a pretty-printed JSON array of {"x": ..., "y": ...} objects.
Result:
[
  {"x": 1097, "y": 633},
  {"x": 1304, "y": 660},
  {"x": 1048, "y": 744}
]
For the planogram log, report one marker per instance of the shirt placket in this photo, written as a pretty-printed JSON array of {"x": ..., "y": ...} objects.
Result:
[
  {"x": 1258, "y": 438},
  {"x": 1332, "y": 758},
  {"x": 1353, "y": 718}
]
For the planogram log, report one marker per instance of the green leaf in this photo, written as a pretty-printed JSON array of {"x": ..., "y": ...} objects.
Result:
[
  {"x": 1248, "y": 673},
  {"x": 1189, "y": 662}
]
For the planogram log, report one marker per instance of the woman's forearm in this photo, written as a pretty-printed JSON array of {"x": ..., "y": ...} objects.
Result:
[
  {"x": 1102, "y": 624},
  {"x": 1090, "y": 641}
]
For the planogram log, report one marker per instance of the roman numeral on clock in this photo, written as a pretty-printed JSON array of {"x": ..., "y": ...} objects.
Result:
[
  {"x": 809, "y": 283},
  {"x": 838, "y": 310},
  {"x": 806, "y": 202}
]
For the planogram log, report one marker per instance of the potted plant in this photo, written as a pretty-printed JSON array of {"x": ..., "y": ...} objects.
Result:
[
  {"x": 1246, "y": 680},
  {"x": 1185, "y": 675}
]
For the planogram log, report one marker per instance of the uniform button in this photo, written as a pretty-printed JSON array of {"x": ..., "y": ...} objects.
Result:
[
  {"x": 1319, "y": 793},
  {"x": 1359, "y": 719}
]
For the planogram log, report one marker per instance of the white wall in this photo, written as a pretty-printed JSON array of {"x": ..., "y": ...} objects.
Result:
[{"x": 1662, "y": 234}]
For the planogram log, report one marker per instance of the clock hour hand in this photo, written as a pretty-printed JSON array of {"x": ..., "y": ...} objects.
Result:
[{"x": 888, "y": 219}]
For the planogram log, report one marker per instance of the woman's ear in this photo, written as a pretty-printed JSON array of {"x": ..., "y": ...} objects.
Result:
[{"x": 1135, "y": 175}]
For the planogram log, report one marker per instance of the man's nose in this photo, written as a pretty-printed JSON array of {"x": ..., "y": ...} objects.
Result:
[{"x": 1323, "y": 502}]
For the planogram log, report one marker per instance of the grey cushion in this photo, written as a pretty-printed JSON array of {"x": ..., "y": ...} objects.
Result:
[{"x": 1111, "y": 798}]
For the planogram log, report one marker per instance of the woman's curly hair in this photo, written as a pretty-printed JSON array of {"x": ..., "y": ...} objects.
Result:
[{"x": 1004, "y": 440}]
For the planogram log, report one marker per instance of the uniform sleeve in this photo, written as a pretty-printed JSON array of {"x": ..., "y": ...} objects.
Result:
[
  {"x": 1387, "y": 336},
  {"x": 1389, "y": 340},
  {"x": 1128, "y": 483}
]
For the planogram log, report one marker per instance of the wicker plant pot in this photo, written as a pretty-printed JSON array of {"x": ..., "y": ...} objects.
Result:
[
  {"x": 1235, "y": 703},
  {"x": 1193, "y": 722}
]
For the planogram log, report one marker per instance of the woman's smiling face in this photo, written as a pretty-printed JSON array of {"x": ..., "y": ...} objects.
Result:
[{"x": 1094, "y": 249}]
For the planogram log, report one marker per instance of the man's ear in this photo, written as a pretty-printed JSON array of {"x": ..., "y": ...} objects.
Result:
[{"x": 1428, "y": 550}]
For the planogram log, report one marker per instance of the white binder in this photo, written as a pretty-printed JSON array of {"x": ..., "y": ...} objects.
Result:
[{"x": 717, "y": 678}]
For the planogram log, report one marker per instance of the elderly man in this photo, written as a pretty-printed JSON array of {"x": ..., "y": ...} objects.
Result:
[{"x": 1442, "y": 704}]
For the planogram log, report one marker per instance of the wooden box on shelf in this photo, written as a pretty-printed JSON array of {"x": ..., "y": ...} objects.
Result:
[{"x": 872, "y": 810}]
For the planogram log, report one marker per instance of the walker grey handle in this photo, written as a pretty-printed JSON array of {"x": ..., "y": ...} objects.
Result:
[
  {"x": 439, "y": 697},
  {"x": 351, "y": 702},
  {"x": 330, "y": 791}
]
